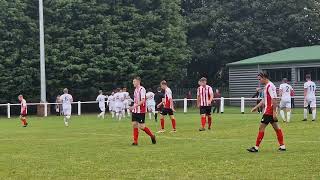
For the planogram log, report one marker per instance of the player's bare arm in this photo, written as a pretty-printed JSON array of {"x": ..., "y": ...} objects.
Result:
[
  {"x": 257, "y": 106},
  {"x": 274, "y": 107}
]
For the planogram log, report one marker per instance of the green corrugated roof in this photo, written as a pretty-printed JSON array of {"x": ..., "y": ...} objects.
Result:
[{"x": 291, "y": 55}]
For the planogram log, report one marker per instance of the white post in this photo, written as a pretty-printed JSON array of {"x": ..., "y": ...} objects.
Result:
[
  {"x": 222, "y": 105},
  {"x": 45, "y": 109},
  {"x": 8, "y": 111},
  {"x": 242, "y": 105},
  {"x": 185, "y": 105},
  {"x": 79, "y": 108},
  {"x": 42, "y": 54}
]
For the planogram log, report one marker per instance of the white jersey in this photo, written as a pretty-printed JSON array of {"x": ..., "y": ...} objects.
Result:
[
  {"x": 150, "y": 98},
  {"x": 285, "y": 90},
  {"x": 311, "y": 90},
  {"x": 102, "y": 100},
  {"x": 118, "y": 99},
  {"x": 66, "y": 100}
]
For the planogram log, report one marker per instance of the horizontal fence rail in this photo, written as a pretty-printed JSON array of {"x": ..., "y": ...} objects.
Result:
[{"x": 185, "y": 104}]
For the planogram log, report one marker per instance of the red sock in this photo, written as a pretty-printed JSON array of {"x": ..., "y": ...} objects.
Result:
[
  {"x": 203, "y": 121},
  {"x": 173, "y": 122},
  {"x": 24, "y": 122},
  {"x": 135, "y": 135},
  {"x": 147, "y": 130},
  {"x": 280, "y": 137},
  {"x": 209, "y": 121},
  {"x": 162, "y": 123},
  {"x": 259, "y": 138}
]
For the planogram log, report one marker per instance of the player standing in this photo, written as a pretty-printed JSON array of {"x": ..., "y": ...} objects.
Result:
[
  {"x": 270, "y": 113},
  {"x": 310, "y": 98},
  {"x": 126, "y": 102},
  {"x": 24, "y": 111},
  {"x": 102, "y": 104},
  {"x": 66, "y": 100},
  {"x": 118, "y": 103},
  {"x": 150, "y": 103},
  {"x": 139, "y": 112},
  {"x": 168, "y": 107},
  {"x": 110, "y": 103},
  {"x": 158, "y": 99},
  {"x": 285, "y": 91},
  {"x": 204, "y": 99}
]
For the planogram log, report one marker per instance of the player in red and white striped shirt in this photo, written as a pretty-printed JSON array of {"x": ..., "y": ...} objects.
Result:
[
  {"x": 204, "y": 99},
  {"x": 270, "y": 113},
  {"x": 139, "y": 111},
  {"x": 168, "y": 108},
  {"x": 24, "y": 111}
]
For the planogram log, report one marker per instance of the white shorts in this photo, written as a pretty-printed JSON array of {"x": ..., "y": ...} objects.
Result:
[
  {"x": 151, "y": 108},
  {"x": 102, "y": 108},
  {"x": 111, "y": 107},
  {"x": 285, "y": 103},
  {"x": 67, "y": 111},
  {"x": 312, "y": 102}
]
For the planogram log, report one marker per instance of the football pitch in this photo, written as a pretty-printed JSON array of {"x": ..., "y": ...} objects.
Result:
[{"x": 93, "y": 148}]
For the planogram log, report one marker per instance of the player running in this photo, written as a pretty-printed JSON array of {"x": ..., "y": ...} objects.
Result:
[
  {"x": 110, "y": 103},
  {"x": 66, "y": 100},
  {"x": 24, "y": 111},
  {"x": 285, "y": 91},
  {"x": 150, "y": 103},
  {"x": 139, "y": 112},
  {"x": 158, "y": 99},
  {"x": 270, "y": 113},
  {"x": 309, "y": 98},
  {"x": 204, "y": 99},
  {"x": 102, "y": 104},
  {"x": 168, "y": 108}
]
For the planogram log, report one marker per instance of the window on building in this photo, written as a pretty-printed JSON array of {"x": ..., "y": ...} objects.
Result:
[
  {"x": 277, "y": 75},
  {"x": 314, "y": 71}
]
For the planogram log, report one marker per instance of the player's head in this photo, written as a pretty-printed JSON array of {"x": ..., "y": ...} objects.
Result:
[
  {"x": 136, "y": 81},
  {"x": 124, "y": 89},
  {"x": 100, "y": 92},
  {"x": 159, "y": 89},
  {"x": 263, "y": 77},
  {"x": 203, "y": 81},
  {"x": 308, "y": 77},
  {"x": 149, "y": 90},
  {"x": 65, "y": 90},
  {"x": 163, "y": 84},
  {"x": 118, "y": 90},
  {"x": 20, "y": 97},
  {"x": 284, "y": 80}
]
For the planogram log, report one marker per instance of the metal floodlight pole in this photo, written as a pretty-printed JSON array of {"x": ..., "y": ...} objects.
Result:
[{"x": 42, "y": 54}]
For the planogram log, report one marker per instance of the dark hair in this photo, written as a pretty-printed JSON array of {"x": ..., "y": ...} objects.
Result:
[
  {"x": 203, "y": 79},
  {"x": 263, "y": 75},
  {"x": 159, "y": 89},
  {"x": 137, "y": 78},
  {"x": 308, "y": 76},
  {"x": 285, "y": 80},
  {"x": 163, "y": 82}
]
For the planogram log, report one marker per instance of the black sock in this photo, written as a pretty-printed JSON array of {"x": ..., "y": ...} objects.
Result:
[{"x": 155, "y": 117}]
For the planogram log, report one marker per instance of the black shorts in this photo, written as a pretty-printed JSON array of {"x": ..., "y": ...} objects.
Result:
[
  {"x": 266, "y": 119},
  {"x": 159, "y": 109},
  {"x": 166, "y": 111},
  {"x": 139, "y": 117},
  {"x": 205, "y": 110}
]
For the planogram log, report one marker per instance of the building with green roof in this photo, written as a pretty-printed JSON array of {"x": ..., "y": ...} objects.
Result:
[{"x": 292, "y": 63}]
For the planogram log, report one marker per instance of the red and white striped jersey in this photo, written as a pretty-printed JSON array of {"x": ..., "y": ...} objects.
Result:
[
  {"x": 23, "y": 107},
  {"x": 140, "y": 95},
  {"x": 168, "y": 98},
  {"x": 204, "y": 94},
  {"x": 270, "y": 92}
]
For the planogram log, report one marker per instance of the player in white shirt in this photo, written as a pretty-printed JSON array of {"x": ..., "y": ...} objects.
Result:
[
  {"x": 118, "y": 103},
  {"x": 110, "y": 103},
  {"x": 126, "y": 104},
  {"x": 102, "y": 104},
  {"x": 309, "y": 98},
  {"x": 151, "y": 104},
  {"x": 285, "y": 100},
  {"x": 66, "y": 100}
]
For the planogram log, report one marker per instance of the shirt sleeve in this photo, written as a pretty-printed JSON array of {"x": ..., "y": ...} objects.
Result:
[
  {"x": 305, "y": 86},
  {"x": 211, "y": 91},
  {"x": 198, "y": 93},
  {"x": 169, "y": 93},
  {"x": 272, "y": 91},
  {"x": 143, "y": 93}
]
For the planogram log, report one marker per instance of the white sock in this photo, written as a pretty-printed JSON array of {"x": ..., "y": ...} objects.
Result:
[
  {"x": 288, "y": 116},
  {"x": 120, "y": 115},
  {"x": 314, "y": 113},
  {"x": 149, "y": 115},
  {"x": 112, "y": 114},
  {"x": 65, "y": 119},
  {"x": 102, "y": 114},
  {"x": 305, "y": 113},
  {"x": 282, "y": 115},
  {"x": 128, "y": 112}
]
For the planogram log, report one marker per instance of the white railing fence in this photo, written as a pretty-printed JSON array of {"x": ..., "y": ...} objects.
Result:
[{"x": 185, "y": 101}]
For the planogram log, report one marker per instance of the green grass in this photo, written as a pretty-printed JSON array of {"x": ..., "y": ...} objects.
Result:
[{"x": 92, "y": 148}]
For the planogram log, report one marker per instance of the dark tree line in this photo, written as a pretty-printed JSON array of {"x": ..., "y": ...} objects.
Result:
[{"x": 102, "y": 44}]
